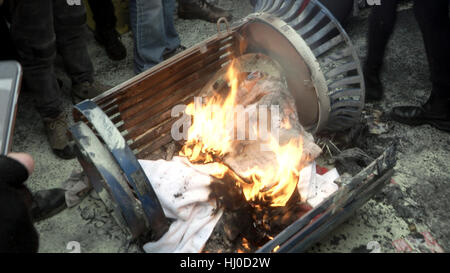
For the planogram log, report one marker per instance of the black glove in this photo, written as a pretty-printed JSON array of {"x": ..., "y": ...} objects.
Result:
[
  {"x": 17, "y": 233},
  {"x": 12, "y": 172}
]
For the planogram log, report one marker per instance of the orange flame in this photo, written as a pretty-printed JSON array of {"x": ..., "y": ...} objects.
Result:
[
  {"x": 211, "y": 136},
  {"x": 278, "y": 182}
]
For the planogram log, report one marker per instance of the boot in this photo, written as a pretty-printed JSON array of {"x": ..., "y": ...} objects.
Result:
[
  {"x": 87, "y": 90},
  {"x": 201, "y": 9},
  {"x": 56, "y": 130},
  {"x": 110, "y": 40},
  {"x": 47, "y": 203}
]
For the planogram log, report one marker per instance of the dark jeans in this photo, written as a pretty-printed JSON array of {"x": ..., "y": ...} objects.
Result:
[
  {"x": 103, "y": 13},
  {"x": 39, "y": 30},
  {"x": 434, "y": 22}
]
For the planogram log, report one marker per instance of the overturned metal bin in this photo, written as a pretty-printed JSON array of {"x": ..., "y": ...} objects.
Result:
[{"x": 134, "y": 119}]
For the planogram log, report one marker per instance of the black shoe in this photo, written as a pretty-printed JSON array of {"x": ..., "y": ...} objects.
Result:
[
  {"x": 110, "y": 40},
  {"x": 174, "y": 52},
  {"x": 435, "y": 114},
  {"x": 47, "y": 203},
  {"x": 200, "y": 9},
  {"x": 374, "y": 88}
]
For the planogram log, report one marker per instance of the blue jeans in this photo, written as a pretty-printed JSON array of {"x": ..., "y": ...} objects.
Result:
[{"x": 154, "y": 32}]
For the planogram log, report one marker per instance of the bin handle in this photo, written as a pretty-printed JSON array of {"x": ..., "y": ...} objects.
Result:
[{"x": 219, "y": 22}]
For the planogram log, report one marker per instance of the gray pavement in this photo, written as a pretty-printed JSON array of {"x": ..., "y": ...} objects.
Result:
[{"x": 419, "y": 197}]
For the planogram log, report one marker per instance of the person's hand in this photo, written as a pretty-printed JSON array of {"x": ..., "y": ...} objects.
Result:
[
  {"x": 16, "y": 168},
  {"x": 26, "y": 159},
  {"x": 17, "y": 233}
]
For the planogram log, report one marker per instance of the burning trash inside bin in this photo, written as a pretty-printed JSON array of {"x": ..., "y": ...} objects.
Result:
[{"x": 243, "y": 132}]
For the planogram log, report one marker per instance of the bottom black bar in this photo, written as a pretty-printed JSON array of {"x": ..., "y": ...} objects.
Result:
[{"x": 223, "y": 262}]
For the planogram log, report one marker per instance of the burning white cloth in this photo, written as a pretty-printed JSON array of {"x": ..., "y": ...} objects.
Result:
[
  {"x": 184, "y": 195},
  {"x": 183, "y": 190},
  {"x": 313, "y": 187}
]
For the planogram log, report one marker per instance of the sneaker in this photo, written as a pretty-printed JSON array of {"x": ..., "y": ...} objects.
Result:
[
  {"x": 56, "y": 130},
  {"x": 201, "y": 9},
  {"x": 87, "y": 90},
  {"x": 114, "y": 47}
]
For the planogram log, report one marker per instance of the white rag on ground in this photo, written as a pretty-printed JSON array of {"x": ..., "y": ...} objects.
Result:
[{"x": 184, "y": 196}]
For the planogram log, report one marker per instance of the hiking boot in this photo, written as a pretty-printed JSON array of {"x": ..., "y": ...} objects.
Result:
[
  {"x": 56, "y": 130},
  {"x": 87, "y": 90},
  {"x": 47, "y": 203},
  {"x": 201, "y": 9},
  {"x": 110, "y": 40}
]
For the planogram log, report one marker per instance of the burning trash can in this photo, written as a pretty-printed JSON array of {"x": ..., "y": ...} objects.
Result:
[{"x": 293, "y": 54}]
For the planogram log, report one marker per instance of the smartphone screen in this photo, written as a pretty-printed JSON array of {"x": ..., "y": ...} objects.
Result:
[{"x": 10, "y": 78}]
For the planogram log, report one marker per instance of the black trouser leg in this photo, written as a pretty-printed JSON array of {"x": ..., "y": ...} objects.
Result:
[
  {"x": 7, "y": 51},
  {"x": 70, "y": 28},
  {"x": 103, "y": 13},
  {"x": 381, "y": 23},
  {"x": 434, "y": 22},
  {"x": 33, "y": 35}
]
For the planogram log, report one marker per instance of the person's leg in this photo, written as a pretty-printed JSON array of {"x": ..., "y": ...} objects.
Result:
[
  {"x": 34, "y": 39},
  {"x": 173, "y": 40},
  {"x": 381, "y": 24},
  {"x": 103, "y": 14},
  {"x": 70, "y": 29},
  {"x": 149, "y": 33},
  {"x": 434, "y": 22},
  {"x": 105, "y": 29},
  {"x": 7, "y": 50},
  {"x": 33, "y": 35}
]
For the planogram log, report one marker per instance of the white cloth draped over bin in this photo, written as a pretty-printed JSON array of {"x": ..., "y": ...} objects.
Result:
[{"x": 184, "y": 193}]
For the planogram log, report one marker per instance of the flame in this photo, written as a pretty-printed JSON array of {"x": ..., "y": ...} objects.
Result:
[
  {"x": 286, "y": 124},
  {"x": 278, "y": 182},
  {"x": 210, "y": 137},
  {"x": 276, "y": 249},
  {"x": 245, "y": 244},
  {"x": 207, "y": 133}
]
